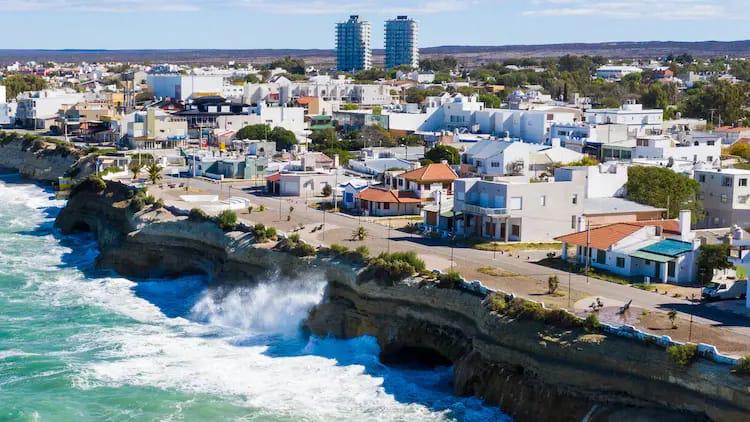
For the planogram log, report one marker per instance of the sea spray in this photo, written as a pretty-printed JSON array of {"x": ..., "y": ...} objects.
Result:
[{"x": 275, "y": 306}]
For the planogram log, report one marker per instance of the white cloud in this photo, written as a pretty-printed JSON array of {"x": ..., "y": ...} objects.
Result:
[
  {"x": 98, "y": 6},
  {"x": 632, "y": 9}
]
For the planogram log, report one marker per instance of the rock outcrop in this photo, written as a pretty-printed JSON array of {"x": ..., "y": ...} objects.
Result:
[
  {"x": 42, "y": 159},
  {"x": 531, "y": 370}
]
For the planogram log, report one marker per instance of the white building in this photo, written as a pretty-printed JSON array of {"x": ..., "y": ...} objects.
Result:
[
  {"x": 662, "y": 147},
  {"x": 290, "y": 118},
  {"x": 615, "y": 73},
  {"x": 39, "y": 109},
  {"x": 638, "y": 120},
  {"x": 183, "y": 87}
]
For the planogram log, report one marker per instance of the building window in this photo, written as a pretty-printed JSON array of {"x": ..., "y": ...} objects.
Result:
[
  {"x": 575, "y": 199},
  {"x": 726, "y": 181},
  {"x": 710, "y": 159},
  {"x": 386, "y": 206},
  {"x": 702, "y": 178},
  {"x": 620, "y": 262},
  {"x": 724, "y": 198},
  {"x": 601, "y": 257},
  {"x": 573, "y": 221},
  {"x": 516, "y": 203},
  {"x": 671, "y": 268},
  {"x": 543, "y": 200},
  {"x": 743, "y": 182},
  {"x": 495, "y": 164}
]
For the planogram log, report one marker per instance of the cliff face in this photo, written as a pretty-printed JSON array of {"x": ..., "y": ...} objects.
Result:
[
  {"x": 43, "y": 160},
  {"x": 533, "y": 371}
]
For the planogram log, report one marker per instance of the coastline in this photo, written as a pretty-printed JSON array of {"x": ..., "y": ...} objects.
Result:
[{"x": 531, "y": 369}]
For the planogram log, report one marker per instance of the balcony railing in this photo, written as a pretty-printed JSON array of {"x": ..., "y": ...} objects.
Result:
[{"x": 490, "y": 212}]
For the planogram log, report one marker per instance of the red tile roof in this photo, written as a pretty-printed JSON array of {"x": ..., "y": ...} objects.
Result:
[
  {"x": 668, "y": 226},
  {"x": 274, "y": 177},
  {"x": 601, "y": 237},
  {"x": 373, "y": 194},
  {"x": 437, "y": 172},
  {"x": 732, "y": 129}
]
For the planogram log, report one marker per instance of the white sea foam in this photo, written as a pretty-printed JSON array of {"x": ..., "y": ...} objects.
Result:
[{"x": 225, "y": 346}]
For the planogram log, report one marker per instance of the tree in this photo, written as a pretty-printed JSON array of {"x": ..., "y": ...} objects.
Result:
[
  {"x": 252, "y": 78},
  {"x": 327, "y": 191},
  {"x": 711, "y": 258},
  {"x": 490, "y": 100},
  {"x": 254, "y": 132},
  {"x": 291, "y": 65},
  {"x": 135, "y": 167},
  {"x": 360, "y": 233},
  {"x": 661, "y": 187},
  {"x": 721, "y": 100},
  {"x": 443, "y": 152},
  {"x": 586, "y": 161},
  {"x": 376, "y": 136},
  {"x": 154, "y": 173},
  {"x": 16, "y": 84},
  {"x": 227, "y": 220},
  {"x": 740, "y": 149}
]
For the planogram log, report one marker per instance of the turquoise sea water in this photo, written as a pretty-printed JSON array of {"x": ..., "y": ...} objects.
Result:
[{"x": 78, "y": 344}]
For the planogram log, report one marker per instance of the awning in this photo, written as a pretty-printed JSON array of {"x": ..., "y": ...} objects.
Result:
[
  {"x": 450, "y": 214},
  {"x": 650, "y": 256}
]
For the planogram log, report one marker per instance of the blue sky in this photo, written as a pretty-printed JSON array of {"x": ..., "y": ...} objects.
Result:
[{"x": 119, "y": 24}]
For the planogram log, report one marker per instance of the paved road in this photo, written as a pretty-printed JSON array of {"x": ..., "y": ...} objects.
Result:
[{"x": 438, "y": 253}]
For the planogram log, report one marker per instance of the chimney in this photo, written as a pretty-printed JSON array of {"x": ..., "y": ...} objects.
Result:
[
  {"x": 555, "y": 142},
  {"x": 336, "y": 161},
  {"x": 685, "y": 231}
]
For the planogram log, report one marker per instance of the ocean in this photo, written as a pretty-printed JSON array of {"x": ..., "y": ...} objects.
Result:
[{"x": 81, "y": 344}]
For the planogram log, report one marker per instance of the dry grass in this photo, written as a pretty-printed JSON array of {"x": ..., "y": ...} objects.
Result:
[{"x": 496, "y": 272}]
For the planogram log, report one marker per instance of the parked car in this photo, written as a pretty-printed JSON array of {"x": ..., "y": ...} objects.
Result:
[{"x": 725, "y": 289}]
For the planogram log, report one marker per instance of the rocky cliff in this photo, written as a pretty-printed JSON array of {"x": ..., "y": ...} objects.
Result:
[
  {"x": 534, "y": 371},
  {"x": 42, "y": 159}
]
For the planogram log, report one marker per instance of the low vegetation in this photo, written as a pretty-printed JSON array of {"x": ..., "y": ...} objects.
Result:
[
  {"x": 682, "y": 354},
  {"x": 505, "y": 247},
  {"x": 198, "y": 215},
  {"x": 394, "y": 267},
  {"x": 450, "y": 280},
  {"x": 227, "y": 220},
  {"x": 360, "y": 255},
  {"x": 743, "y": 365},
  {"x": 263, "y": 234},
  {"x": 295, "y": 246}
]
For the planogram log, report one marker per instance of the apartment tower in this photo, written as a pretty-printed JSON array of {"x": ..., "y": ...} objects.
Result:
[
  {"x": 401, "y": 43},
  {"x": 353, "y": 45}
]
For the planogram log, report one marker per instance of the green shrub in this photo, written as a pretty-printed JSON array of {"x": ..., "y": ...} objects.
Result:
[
  {"x": 227, "y": 220},
  {"x": 259, "y": 233},
  {"x": 496, "y": 302},
  {"x": 149, "y": 199},
  {"x": 339, "y": 249},
  {"x": 562, "y": 318},
  {"x": 592, "y": 324},
  {"x": 682, "y": 354},
  {"x": 271, "y": 233},
  {"x": 197, "y": 215},
  {"x": 450, "y": 280},
  {"x": 294, "y": 238},
  {"x": 98, "y": 183},
  {"x": 137, "y": 203},
  {"x": 525, "y": 309},
  {"x": 159, "y": 203},
  {"x": 396, "y": 266},
  {"x": 552, "y": 283},
  {"x": 743, "y": 365},
  {"x": 294, "y": 245},
  {"x": 363, "y": 252}
]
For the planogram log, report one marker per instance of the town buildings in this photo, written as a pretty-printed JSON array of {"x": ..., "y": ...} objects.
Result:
[
  {"x": 353, "y": 45},
  {"x": 725, "y": 196},
  {"x": 401, "y": 47},
  {"x": 663, "y": 250}
]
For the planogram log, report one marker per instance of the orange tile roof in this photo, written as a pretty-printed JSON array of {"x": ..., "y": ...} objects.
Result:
[
  {"x": 732, "y": 129},
  {"x": 373, "y": 194},
  {"x": 601, "y": 237},
  {"x": 668, "y": 226},
  {"x": 437, "y": 172},
  {"x": 274, "y": 177}
]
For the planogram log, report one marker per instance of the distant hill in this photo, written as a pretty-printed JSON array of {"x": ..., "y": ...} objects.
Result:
[{"x": 468, "y": 54}]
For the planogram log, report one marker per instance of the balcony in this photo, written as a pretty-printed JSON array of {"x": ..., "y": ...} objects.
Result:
[{"x": 489, "y": 212}]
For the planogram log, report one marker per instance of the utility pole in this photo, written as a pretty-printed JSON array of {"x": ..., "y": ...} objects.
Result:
[
  {"x": 588, "y": 249},
  {"x": 389, "y": 236}
]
